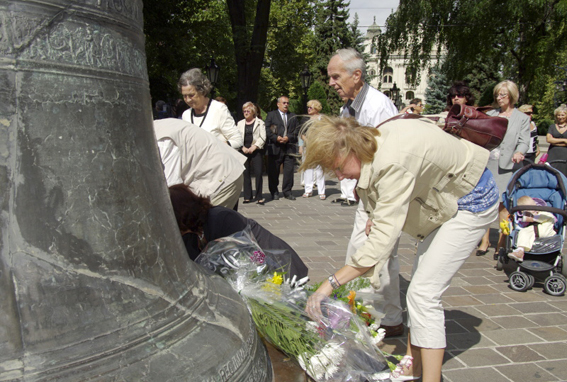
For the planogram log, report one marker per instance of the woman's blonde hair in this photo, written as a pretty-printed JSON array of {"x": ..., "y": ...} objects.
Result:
[
  {"x": 331, "y": 138},
  {"x": 511, "y": 88},
  {"x": 315, "y": 104},
  {"x": 560, "y": 109}
]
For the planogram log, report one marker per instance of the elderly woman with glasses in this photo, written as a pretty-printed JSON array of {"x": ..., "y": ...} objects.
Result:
[
  {"x": 436, "y": 188},
  {"x": 209, "y": 114},
  {"x": 509, "y": 156},
  {"x": 253, "y": 130}
]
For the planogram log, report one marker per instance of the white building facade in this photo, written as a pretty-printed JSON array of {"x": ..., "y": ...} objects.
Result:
[{"x": 395, "y": 73}]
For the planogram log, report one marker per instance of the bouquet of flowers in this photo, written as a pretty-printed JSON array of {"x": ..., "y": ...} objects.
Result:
[{"x": 339, "y": 347}]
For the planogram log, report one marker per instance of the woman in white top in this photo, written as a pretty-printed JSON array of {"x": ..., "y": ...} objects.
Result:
[
  {"x": 253, "y": 130},
  {"x": 314, "y": 107},
  {"x": 208, "y": 114}
]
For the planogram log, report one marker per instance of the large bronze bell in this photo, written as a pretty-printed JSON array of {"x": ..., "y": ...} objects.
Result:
[{"x": 95, "y": 283}]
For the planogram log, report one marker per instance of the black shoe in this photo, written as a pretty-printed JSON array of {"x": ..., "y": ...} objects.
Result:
[
  {"x": 246, "y": 201},
  {"x": 480, "y": 252},
  {"x": 348, "y": 203},
  {"x": 290, "y": 197},
  {"x": 261, "y": 202},
  {"x": 275, "y": 197},
  {"x": 338, "y": 200}
]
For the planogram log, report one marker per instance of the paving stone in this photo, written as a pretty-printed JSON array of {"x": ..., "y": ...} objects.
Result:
[
  {"x": 526, "y": 373},
  {"x": 456, "y": 291},
  {"x": 513, "y": 322},
  {"x": 511, "y": 336},
  {"x": 547, "y": 319},
  {"x": 479, "y": 290},
  {"x": 482, "y": 357},
  {"x": 455, "y": 301},
  {"x": 551, "y": 350},
  {"x": 474, "y": 324},
  {"x": 494, "y": 298},
  {"x": 475, "y": 374},
  {"x": 467, "y": 341},
  {"x": 498, "y": 310},
  {"x": 556, "y": 368},
  {"x": 534, "y": 307},
  {"x": 519, "y": 353},
  {"x": 550, "y": 333}
]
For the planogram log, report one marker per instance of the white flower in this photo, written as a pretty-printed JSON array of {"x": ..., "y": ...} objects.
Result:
[
  {"x": 374, "y": 327},
  {"x": 311, "y": 326},
  {"x": 331, "y": 370},
  {"x": 381, "y": 333}
]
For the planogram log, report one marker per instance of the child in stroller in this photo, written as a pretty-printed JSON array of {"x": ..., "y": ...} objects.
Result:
[
  {"x": 533, "y": 225},
  {"x": 541, "y": 258}
]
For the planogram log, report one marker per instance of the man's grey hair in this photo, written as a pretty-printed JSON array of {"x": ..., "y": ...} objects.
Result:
[
  {"x": 194, "y": 77},
  {"x": 280, "y": 98},
  {"x": 352, "y": 60}
]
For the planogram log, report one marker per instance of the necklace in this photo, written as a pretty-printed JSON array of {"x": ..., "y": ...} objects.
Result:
[{"x": 198, "y": 115}]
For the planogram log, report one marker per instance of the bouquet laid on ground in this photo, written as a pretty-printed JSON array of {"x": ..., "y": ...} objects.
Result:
[{"x": 340, "y": 347}]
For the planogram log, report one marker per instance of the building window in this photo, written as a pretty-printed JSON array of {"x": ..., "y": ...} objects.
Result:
[
  {"x": 372, "y": 72},
  {"x": 388, "y": 76},
  {"x": 410, "y": 95},
  {"x": 373, "y": 49}
]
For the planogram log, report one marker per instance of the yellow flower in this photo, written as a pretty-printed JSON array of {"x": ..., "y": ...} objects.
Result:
[
  {"x": 504, "y": 227},
  {"x": 351, "y": 296},
  {"x": 277, "y": 279}
]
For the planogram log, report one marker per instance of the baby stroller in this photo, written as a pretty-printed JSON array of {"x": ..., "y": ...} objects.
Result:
[{"x": 544, "y": 260}]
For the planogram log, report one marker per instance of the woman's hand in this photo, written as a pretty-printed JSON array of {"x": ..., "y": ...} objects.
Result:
[
  {"x": 368, "y": 228},
  {"x": 313, "y": 308},
  {"x": 251, "y": 149},
  {"x": 517, "y": 157}
]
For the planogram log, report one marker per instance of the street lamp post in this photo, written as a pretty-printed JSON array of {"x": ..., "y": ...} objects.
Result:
[
  {"x": 306, "y": 79},
  {"x": 395, "y": 95},
  {"x": 213, "y": 71}
]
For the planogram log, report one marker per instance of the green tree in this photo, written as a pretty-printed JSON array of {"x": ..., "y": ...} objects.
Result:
[
  {"x": 317, "y": 91},
  {"x": 436, "y": 91},
  {"x": 519, "y": 38},
  {"x": 332, "y": 32}
]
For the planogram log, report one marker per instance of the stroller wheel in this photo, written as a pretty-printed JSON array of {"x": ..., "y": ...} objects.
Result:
[
  {"x": 519, "y": 281},
  {"x": 555, "y": 285},
  {"x": 531, "y": 279}
]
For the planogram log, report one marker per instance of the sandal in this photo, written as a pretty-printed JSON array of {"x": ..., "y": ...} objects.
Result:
[
  {"x": 322, "y": 197},
  {"x": 398, "y": 373},
  {"x": 307, "y": 195}
]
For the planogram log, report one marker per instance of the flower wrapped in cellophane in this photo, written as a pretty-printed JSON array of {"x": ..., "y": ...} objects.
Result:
[{"x": 339, "y": 347}]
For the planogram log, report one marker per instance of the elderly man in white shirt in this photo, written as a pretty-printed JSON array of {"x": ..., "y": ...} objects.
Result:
[
  {"x": 192, "y": 156},
  {"x": 369, "y": 107}
]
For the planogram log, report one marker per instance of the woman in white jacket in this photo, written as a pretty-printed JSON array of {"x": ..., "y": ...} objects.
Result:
[{"x": 253, "y": 130}]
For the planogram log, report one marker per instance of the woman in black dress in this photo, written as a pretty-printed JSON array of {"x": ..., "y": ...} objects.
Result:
[
  {"x": 200, "y": 222},
  {"x": 557, "y": 139}
]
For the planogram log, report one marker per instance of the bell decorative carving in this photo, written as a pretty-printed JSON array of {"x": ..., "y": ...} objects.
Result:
[{"x": 95, "y": 283}]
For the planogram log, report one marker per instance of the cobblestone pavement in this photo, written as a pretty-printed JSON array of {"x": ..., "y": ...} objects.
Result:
[{"x": 493, "y": 333}]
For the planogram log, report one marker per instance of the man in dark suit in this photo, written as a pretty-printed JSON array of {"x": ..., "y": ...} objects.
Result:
[{"x": 281, "y": 136}]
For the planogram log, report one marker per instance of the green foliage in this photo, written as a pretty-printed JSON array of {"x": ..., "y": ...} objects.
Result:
[
  {"x": 543, "y": 126},
  {"x": 436, "y": 92},
  {"x": 317, "y": 91},
  {"x": 516, "y": 38}
]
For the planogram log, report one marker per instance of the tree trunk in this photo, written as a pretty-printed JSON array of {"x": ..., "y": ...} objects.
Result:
[{"x": 249, "y": 52}]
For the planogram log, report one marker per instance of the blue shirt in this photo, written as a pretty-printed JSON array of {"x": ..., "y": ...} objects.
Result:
[{"x": 482, "y": 197}]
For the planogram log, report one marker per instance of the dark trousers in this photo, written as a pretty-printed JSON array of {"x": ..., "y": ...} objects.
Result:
[
  {"x": 253, "y": 166},
  {"x": 274, "y": 163}
]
